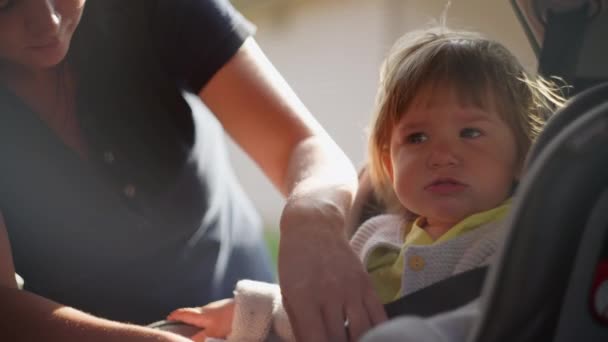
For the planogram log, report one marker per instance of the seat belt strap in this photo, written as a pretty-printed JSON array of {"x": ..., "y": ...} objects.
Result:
[{"x": 445, "y": 295}]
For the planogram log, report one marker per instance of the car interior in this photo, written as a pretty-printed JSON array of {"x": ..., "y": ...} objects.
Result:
[{"x": 551, "y": 279}]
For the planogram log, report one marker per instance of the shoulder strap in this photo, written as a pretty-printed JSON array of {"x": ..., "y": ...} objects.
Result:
[{"x": 442, "y": 296}]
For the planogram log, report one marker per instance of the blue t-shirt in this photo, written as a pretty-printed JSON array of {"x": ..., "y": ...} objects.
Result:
[{"x": 154, "y": 219}]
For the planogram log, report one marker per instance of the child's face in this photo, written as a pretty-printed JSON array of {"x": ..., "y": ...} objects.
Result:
[{"x": 449, "y": 159}]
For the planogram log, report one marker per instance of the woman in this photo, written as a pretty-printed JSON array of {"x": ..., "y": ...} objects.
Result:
[{"x": 116, "y": 193}]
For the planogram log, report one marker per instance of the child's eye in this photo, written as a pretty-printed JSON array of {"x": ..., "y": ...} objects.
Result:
[
  {"x": 470, "y": 133},
  {"x": 416, "y": 138}
]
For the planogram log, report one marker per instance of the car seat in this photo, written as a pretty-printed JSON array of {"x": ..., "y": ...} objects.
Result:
[
  {"x": 540, "y": 289},
  {"x": 551, "y": 281}
]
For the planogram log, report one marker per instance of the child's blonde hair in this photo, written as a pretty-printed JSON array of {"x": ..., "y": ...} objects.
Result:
[{"x": 481, "y": 71}]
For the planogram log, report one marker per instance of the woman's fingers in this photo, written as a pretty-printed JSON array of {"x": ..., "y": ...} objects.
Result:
[
  {"x": 373, "y": 305},
  {"x": 308, "y": 324},
  {"x": 366, "y": 311},
  {"x": 358, "y": 321},
  {"x": 333, "y": 317}
]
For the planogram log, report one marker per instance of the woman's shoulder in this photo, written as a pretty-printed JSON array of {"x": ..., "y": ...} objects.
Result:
[
  {"x": 190, "y": 39},
  {"x": 186, "y": 14}
]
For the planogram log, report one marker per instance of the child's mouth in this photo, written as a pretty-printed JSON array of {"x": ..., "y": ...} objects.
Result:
[{"x": 445, "y": 186}]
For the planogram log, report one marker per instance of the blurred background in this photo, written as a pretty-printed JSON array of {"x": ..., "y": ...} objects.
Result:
[{"x": 330, "y": 51}]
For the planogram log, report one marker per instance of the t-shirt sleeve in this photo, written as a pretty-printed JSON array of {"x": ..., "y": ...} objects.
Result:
[{"x": 197, "y": 37}]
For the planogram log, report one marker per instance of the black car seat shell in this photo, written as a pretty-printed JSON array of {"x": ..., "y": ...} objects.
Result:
[{"x": 523, "y": 295}]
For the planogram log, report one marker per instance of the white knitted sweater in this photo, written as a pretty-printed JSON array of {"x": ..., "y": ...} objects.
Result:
[
  {"x": 441, "y": 260},
  {"x": 259, "y": 314}
]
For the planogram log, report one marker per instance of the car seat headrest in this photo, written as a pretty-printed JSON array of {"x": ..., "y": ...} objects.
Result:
[{"x": 568, "y": 38}]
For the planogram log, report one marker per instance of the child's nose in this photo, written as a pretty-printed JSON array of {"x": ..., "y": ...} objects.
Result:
[{"x": 442, "y": 154}]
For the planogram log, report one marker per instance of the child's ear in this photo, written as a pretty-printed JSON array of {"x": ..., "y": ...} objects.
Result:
[{"x": 388, "y": 165}]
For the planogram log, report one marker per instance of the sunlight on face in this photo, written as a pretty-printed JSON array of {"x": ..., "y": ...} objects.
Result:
[
  {"x": 36, "y": 34},
  {"x": 449, "y": 158}
]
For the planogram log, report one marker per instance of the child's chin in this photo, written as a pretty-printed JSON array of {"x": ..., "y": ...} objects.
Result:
[{"x": 450, "y": 214}]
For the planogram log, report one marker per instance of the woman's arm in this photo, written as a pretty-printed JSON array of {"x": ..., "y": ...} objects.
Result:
[
  {"x": 25, "y": 316},
  {"x": 268, "y": 121},
  {"x": 317, "y": 270}
]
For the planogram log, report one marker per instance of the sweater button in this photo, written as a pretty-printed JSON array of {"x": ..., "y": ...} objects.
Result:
[{"x": 416, "y": 263}]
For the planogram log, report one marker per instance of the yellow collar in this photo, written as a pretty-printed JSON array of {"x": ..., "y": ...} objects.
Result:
[{"x": 416, "y": 235}]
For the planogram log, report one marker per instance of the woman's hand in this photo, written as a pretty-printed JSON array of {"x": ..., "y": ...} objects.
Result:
[
  {"x": 214, "y": 318},
  {"x": 322, "y": 280}
]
